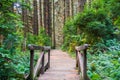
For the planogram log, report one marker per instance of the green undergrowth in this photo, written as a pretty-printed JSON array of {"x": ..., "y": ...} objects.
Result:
[
  {"x": 105, "y": 66},
  {"x": 103, "y": 60},
  {"x": 15, "y": 67},
  {"x": 42, "y": 39},
  {"x": 97, "y": 25}
]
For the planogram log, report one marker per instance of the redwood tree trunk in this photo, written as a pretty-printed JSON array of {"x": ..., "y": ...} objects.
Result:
[
  {"x": 81, "y": 4},
  {"x": 67, "y": 8},
  {"x": 71, "y": 8},
  {"x": 47, "y": 16},
  {"x": 35, "y": 18},
  {"x": 64, "y": 12},
  {"x": 53, "y": 24},
  {"x": 25, "y": 23},
  {"x": 40, "y": 12}
]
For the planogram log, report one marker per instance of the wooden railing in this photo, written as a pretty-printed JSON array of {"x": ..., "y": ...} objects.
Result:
[
  {"x": 41, "y": 64},
  {"x": 81, "y": 60}
]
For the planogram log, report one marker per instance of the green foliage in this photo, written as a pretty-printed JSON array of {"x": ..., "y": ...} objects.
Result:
[
  {"x": 11, "y": 42},
  {"x": 98, "y": 26},
  {"x": 104, "y": 66},
  {"x": 9, "y": 20},
  {"x": 108, "y": 45},
  {"x": 114, "y": 7},
  {"x": 69, "y": 28},
  {"x": 91, "y": 26},
  {"x": 8, "y": 65},
  {"x": 95, "y": 23},
  {"x": 71, "y": 38},
  {"x": 42, "y": 39},
  {"x": 13, "y": 64}
]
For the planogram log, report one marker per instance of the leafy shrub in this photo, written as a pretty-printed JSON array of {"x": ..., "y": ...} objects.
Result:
[
  {"x": 42, "y": 39},
  {"x": 94, "y": 23},
  {"x": 14, "y": 66},
  {"x": 69, "y": 28},
  {"x": 93, "y": 26},
  {"x": 104, "y": 66},
  {"x": 108, "y": 45},
  {"x": 8, "y": 64}
]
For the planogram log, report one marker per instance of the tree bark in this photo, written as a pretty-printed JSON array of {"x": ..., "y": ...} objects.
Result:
[
  {"x": 81, "y": 4},
  {"x": 25, "y": 23},
  {"x": 53, "y": 24},
  {"x": 64, "y": 12},
  {"x": 40, "y": 12},
  {"x": 47, "y": 16},
  {"x": 71, "y": 8},
  {"x": 35, "y": 18},
  {"x": 67, "y": 7}
]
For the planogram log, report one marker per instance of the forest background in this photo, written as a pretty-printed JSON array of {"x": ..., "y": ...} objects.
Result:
[{"x": 96, "y": 22}]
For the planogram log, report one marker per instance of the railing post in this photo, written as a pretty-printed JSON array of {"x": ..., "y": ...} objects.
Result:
[
  {"x": 76, "y": 58},
  {"x": 49, "y": 58},
  {"x": 85, "y": 64},
  {"x": 43, "y": 69},
  {"x": 31, "y": 65}
]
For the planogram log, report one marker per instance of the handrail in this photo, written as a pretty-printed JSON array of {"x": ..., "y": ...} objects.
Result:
[
  {"x": 40, "y": 66},
  {"x": 81, "y": 60}
]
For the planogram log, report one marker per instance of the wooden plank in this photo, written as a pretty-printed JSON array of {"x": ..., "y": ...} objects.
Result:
[
  {"x": 83, "y": 47},
  {"x": 38, "y": 65},
  {"x": 48, "y": 58},
  {"x": 47, "y": 48},
  {"x": 76, "y": 58},
  {"x": 31, "y": 75},
  {"x": 80, "y": 58},
  {"x": 85, "y": 65},
  {"x": 34, "y": 47},
  {"x": 82, "y": 64},
  {"x": 43, "y": 62}
]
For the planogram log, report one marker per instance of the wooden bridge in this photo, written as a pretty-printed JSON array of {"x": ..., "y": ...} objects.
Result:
[{"x": 58, "y": 65}]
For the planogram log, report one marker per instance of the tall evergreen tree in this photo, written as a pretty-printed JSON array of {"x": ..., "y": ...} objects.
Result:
[
  {"x": 40, "y": 12},
  {"x": 35, "y": 18},
  {"x": 47, "y": 16}
]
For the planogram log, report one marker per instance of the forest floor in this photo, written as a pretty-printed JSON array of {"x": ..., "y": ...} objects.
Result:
[{"x": 62, "y": 67}]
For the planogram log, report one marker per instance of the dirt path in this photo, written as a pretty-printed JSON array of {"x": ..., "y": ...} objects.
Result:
[{"x": 62, "y": 67}]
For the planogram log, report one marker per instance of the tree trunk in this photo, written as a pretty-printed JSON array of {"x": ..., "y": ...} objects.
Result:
[
  {"x": 71, "y": 8},
  {"x": 47, "y": 16},
  {"x": 67, "y": 8},
  {"x": 53, "y": 24},
  {"x": 35, "y": 18},
  {"x": 25, "y": 22},
  {"x": 81, "y": 4},
  {"x": 64, "y": 12},
  {"x": 40, "y": 12}
]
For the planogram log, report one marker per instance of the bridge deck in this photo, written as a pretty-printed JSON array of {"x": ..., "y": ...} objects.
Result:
[{"x": 62, "y": 67}]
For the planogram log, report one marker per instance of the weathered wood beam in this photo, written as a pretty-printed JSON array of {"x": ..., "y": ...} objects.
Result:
[
  {"x": 41, "y": 66},
  {"x": 34, "y": 47},
  {"x": 46, "y": 48},
  {"x": 79, "y": 48},
  {"x": 31, "y": 76},
  {"x": 38, "y": 65},
  {"x": 81, "y": 60}
]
